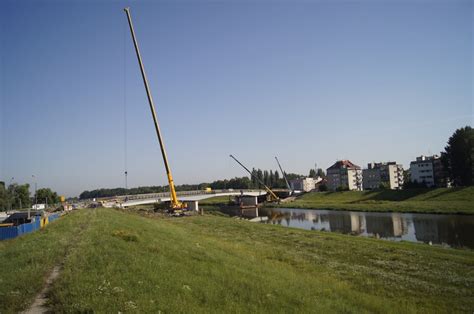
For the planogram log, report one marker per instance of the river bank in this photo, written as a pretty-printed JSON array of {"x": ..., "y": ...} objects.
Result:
[{"x": 430, "y": 201}]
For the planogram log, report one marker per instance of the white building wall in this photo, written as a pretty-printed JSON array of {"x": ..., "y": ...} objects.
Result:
[
  {"x": 304, "y": 184},
  {"x": 422, "y": 171},
  {"x": 346, "y": 178},
  {"x": 383, "y": 173},
  {"x": 396, "y": 176},
  {"x": 354, "y": 179}
]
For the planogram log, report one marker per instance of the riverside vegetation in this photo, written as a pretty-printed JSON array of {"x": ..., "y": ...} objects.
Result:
[
  {"x": 115, "y": 261},
  {"x": 441, "y": 200}
]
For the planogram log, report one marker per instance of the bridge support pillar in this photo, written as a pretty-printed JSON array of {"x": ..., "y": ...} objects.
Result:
[{"x": 193, "y": 205}]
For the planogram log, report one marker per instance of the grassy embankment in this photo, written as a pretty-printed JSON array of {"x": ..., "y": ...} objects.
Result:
[
  {"x": 448, "y": 201},
  {"x": 126, "y": 262}
]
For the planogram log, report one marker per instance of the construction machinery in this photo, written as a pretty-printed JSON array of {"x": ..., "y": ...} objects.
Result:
[
  {"x": 284, "y": 176},
  {"x": 272, "y": 197},
  {"x": 175, "y": 203}
]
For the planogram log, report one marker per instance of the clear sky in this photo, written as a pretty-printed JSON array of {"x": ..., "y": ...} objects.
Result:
[{"x": 310, "y": 82}]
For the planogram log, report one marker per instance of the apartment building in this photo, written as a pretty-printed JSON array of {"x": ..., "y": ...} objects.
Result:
[
  {"x": 428, "y": 170},
  {"x": 389, "y": 174},
  {"x": 304, "y": 184},
  {"x": 344, "y": 174}
]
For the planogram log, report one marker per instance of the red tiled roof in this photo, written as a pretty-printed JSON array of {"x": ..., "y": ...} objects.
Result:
[{"x": 344, "y": 164}]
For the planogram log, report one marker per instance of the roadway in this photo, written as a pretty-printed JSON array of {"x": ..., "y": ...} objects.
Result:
[{"x": 143, "y": 199}]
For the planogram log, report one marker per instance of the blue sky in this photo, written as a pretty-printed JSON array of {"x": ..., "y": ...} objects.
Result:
[{"x": 310, "y": 82}]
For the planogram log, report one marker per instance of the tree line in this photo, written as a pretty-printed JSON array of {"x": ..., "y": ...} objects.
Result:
[
  {"x": 270, "y": 178},
  {"x": 17, "y": 196}
]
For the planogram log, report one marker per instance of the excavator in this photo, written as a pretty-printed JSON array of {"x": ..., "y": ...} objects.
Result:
[{"x": 176, "y": 206}]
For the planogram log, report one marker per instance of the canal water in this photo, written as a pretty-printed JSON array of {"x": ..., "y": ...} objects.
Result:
[{"x": 449, "y": 230}]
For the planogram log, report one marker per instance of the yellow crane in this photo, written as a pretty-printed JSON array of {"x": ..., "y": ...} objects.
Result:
[{"x": 175, "y": 203}]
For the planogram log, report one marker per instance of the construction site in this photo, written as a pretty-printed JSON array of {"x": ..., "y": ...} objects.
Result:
[{"x": 323, "y": 243}]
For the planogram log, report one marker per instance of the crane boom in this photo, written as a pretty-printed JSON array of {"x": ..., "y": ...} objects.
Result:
[
  {"x": 174, "y": 199},
  {"x": 284, "y": 175},
  {"x": 257, "y": 178}
]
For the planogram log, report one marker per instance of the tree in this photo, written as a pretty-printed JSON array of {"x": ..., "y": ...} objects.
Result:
[
  {"x": 3, "y": 197},
  {"x": 254, "y": 178},
  {"x": 292, "y": 176},
  {"x": 414, "y": 185},
  {"x": 277, "y": 179},
  {"x": 312, "y": 173},
  {"x": 458, "y": 156},
  {"x": 19, "y": 195},
  {"x": 260, "y": 174},
  {"x": 323, "y": 188},
  {"x": 265, "y": 177},
  {"x": 320, "y": 173},
  {"x": 45, "y": 195}
]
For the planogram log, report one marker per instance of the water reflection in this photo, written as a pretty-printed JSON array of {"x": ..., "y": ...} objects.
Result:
[{"x": 452, "y": 230}]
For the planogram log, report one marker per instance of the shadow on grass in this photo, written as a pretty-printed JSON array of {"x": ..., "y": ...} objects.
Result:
[
  {"x": 392, "y": 195},
  {"x": 448, "y": 191}
]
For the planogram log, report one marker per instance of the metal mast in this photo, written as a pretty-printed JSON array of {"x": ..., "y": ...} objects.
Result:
[
  {"x": 258, "y": 179},
  {"x": 284, "y": 175},
  {"x": 174, "y": 200}
]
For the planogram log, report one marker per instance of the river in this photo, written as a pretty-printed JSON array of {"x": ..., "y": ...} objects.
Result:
[{"x": 448, "y": 230}]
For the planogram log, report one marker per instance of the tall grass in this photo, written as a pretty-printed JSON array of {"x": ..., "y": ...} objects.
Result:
[
  {"x": 26, "y": 261},
  {"x": 126, "y": 262}
]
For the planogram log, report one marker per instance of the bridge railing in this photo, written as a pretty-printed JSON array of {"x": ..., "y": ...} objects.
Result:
[{"x": 179, "y": 193}]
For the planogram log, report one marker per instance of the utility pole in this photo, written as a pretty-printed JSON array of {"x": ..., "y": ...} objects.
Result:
[
  {"x": 126, "y": 183},
  {"x": 36, "y": 199},
  {"x": 9, "y": 198}
]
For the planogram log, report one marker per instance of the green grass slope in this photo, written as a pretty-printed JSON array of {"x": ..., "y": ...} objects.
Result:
[
  {"x": 126, "y": 262},
  {"x": 443, "y": 200},
  {"x": 26, "y": 261}
]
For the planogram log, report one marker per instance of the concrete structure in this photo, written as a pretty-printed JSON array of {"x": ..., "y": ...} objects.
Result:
[
  {"x": 248, "y": 200},
  {"x": 133, "y": 200},
  {"x": 428, "y": 170},
  {"x": 193, "y": 205},
  {"x": 388, "y": 174},
  {"x": 304, "y": 184},
  {"x": 344, "y": 175}
]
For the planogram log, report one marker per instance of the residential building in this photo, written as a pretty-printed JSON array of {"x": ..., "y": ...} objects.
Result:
[
  {"x": 388, "y": 174},
  {"x": 304, "y": 184},
  {"x": 344, "y": 175},
  {"x": 428, "y": 170}
]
